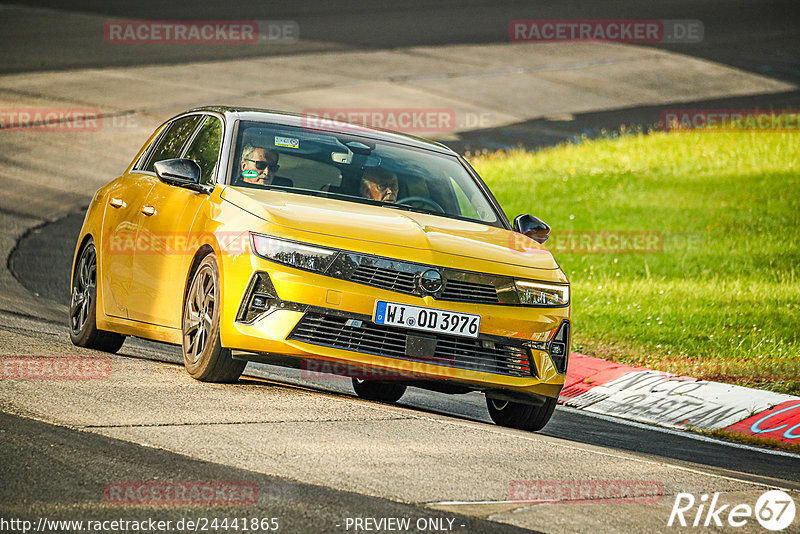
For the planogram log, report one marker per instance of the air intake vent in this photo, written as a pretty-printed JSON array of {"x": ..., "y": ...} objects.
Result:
[{"x": 483, "y": 355}]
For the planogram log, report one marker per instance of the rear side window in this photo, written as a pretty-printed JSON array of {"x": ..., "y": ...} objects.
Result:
[
  {"x": 169, "y": 145},
  {"x": 204, "y": 149}
]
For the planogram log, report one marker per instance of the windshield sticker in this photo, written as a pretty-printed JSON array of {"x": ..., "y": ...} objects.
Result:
[
  {"x": 288, "y": 142},
  {"x": 250, "y": 174}
]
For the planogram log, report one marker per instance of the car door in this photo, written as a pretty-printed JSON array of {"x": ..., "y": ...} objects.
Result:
[
  {"x": 123, "y": 214},
  {"x": 167, "y": 218},
  {"x": 119, "y": 239}
]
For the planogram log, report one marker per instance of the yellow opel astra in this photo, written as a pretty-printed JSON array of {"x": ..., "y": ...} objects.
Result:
[{"x": 252, "y": 235}]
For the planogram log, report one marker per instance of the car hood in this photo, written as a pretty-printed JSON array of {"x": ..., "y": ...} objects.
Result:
[{"x": 368, "y": 227}]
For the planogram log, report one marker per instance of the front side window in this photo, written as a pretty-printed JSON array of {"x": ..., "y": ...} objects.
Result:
[
  {"x": 358, "y": 169},
  {"x": 170, "y": 144},
  {"x": 204, "y": 149}
]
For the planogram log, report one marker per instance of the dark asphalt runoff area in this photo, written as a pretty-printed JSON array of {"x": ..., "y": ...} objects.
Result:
[{"x": 757, "y": 36}]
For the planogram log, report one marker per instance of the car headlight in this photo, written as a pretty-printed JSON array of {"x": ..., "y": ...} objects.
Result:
[
  {"x": 542, "y": 294},
  {"x": 299, "y": 255}
]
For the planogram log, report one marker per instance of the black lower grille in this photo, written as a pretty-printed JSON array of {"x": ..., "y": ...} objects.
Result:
[{"x": 451, "y": 351}]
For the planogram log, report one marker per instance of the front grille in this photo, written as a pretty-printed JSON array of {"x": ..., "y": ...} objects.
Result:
[
  {"x": 384, "y": 278},
  {"x": 469, "y": 291},
  {"x": 451, "y": 351},
  {"x": 404, "y": 282}
]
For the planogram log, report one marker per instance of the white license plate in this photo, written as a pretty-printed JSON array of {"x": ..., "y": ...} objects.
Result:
[{"x": 427, "y": 319}]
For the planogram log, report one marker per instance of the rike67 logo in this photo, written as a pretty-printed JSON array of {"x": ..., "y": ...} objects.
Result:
[{"x": 774, "y": 510}]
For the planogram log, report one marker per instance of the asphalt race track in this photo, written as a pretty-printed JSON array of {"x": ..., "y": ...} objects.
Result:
[
  {"x": 318, "y": 455},
  {"x": 58, "y": 238}
]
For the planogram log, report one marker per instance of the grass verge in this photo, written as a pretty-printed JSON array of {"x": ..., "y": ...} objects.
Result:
[
  {"x": 711, "y": 286},
  {"x": 755, "y": 441}
]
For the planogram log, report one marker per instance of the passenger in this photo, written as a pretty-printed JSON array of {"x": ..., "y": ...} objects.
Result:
[
  {"x": 263, "y": 161},
  {"x": 379, "y": 184}
]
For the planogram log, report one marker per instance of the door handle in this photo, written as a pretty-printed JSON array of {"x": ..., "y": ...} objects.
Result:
[
  {"x": 148, "y": 210},
  {"x": 117, "y": 203}
]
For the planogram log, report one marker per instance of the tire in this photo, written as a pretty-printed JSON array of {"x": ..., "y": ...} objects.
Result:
[
  {"x": 377, "y": 390},
  {"x": 521, "y": 416},
  {"x": 83, "y": 329},
  {"x": 203, "y": 355}
]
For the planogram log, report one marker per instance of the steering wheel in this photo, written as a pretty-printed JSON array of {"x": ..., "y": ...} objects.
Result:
[{"x": 430, "y": 203}]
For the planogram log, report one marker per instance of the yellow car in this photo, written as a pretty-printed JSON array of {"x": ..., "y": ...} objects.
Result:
[{"x": 251, "y": 235}]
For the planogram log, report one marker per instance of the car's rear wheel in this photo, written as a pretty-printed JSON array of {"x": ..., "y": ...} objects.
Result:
[
  {"x": 378, "y": 390},
  {"x": 83, "y": 329},
  {"x": 203, "y": 355},
  {"x": 522, "y": 416}
]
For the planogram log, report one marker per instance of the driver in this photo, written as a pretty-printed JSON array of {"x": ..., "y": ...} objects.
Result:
[
  {"x": 258, "y": 165},
  {"x": 379, "y": 184}
]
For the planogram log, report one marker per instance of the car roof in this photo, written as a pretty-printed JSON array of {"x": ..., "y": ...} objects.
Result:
[{"x": 329, "y": 125}]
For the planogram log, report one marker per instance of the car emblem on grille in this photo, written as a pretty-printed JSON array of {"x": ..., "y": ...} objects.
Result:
[{"x": 430, "y": 281}]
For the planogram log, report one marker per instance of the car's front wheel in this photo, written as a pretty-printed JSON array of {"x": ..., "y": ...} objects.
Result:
[
  {"x": 83, "y": 329},
  {"x": 522, "y": 416},
  {"x": 377, "y": 390},
  {"x": 203, "y": 355}
]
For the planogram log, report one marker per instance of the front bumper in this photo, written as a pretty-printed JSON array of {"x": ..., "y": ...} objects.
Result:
[{"x": 318, "y": 317}]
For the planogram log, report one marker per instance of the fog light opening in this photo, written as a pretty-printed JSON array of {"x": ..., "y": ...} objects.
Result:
[
  {"x": 558, "y": 347},
  {"x": 259, "y": 299}
]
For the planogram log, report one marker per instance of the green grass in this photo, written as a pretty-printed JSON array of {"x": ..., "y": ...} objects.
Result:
[
  {"x": 756, "y": 441},
  {"x": 721, "y": 299}
]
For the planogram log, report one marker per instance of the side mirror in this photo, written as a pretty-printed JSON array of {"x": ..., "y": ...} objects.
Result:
[
  {"x": 533, "y": 227},
  {"x": 180, "y": 172}
]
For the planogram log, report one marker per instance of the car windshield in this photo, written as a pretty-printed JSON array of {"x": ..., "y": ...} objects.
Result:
[{"x": 357, "y": 169}]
